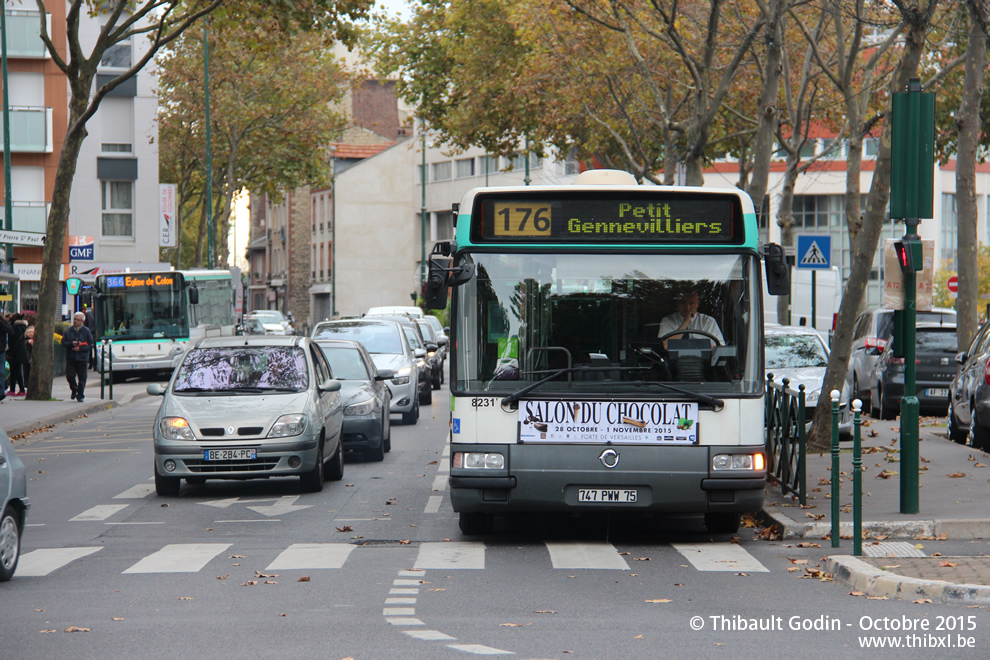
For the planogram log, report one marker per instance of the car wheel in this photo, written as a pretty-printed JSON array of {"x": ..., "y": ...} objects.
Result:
[
  {"x": 412, "y": 416},
  {"x": 722, "y": 523},
  {"x": 981, "y": 437},
  {"x": 335, "y": 468},
  {"x": 887, "y": 413},
  {"x": 10, "y": 543},
  {"x": 436, "y": 379},
  {"x": 312, "y": 481},
  {"x": 387, "y": 434},
  {"x": 376, "y": 454},
  {"x": 166, "y": 486},
  {"x": 426, "y": 397},
  {"x": 956, "y": 434},
  {"x": 442, "y": 366},
  {"x": 475, "y": 523}
]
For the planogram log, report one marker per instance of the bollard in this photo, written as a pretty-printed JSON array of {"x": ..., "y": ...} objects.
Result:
[
  {"x": 110, "y": 354},
  {"x": 857, "y": 481},
  {"x": 802, "y": 475},
  {"x": 103, "y": 370},
  {"x": 836, "y": 490}
]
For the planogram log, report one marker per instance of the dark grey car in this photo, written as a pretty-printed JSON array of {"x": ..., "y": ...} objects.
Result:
[
  {"x": 935, "y": 367},
  {"x": 969, "y": 393},
  {"x": 13, "y": 489}
]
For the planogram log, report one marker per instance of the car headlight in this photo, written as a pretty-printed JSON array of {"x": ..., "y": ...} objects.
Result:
[
  {"x": 474, "y": 460},
  {"x": 420, "y": 363},
  {"x": 363, "y": 408},
  {"x": 176, "y": 428},
  {"x": 738, "y": 462},
  {"x": 811, "y": 398},
  {"x": 288, "y": 425},
  {"x": 401, "y": 376}
]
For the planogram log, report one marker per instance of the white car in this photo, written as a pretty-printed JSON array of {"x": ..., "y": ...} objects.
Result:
[
  {"x": 273, "y": 321},
  {"x": 408, "y": 310}
]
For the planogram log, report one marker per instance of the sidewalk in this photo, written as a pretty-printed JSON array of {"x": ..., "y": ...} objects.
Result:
[
  {"x": 954, "y": 503},
  {"x": 18, "y": 415}
]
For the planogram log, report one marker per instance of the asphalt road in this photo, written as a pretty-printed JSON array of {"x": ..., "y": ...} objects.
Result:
[{"x": 376, "y": 567}]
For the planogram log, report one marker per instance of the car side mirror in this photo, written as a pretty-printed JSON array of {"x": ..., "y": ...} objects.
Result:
[
  {"x": 385, "y": 374},
  {"x": 157, "y": 389},
  {"x": 442, "y": 341},
  {"x": 420, "y": 353},
  {"x": 431, "y": 347},
  {"x": 330, "y": 385}
]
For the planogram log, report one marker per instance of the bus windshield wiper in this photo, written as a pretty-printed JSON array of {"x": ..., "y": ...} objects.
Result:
[{"x": 717, "y": 404}]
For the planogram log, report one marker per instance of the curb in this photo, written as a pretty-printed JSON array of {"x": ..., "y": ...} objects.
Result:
[
  {"x": 907, "y": 529},
  {"x": 876, "y": 582}
]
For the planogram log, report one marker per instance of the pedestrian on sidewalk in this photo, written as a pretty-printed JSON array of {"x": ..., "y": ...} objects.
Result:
[
  {"x": 29, "y": 347},
  {"x": 77, "y": 341},
  {"x": 17, "y": 355},
  {"x": 5, "y": 332}
]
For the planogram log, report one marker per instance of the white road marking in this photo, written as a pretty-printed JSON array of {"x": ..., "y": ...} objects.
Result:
[
  {"x": 469, "y": 555},
  {"x": 179, "y": 558},
  {"x": 574, "y": 554},
  {"x": 399, "y": 611},
  {"x": 444, "y": 467},
  {"x": 892, "y": 549},
  {"x": 42, "y": 562},
  {"x": 429, "y": 635},
  {"x": 312, "y": 555},
  {"x": 433, "y": 505},
  {"x": 720, "y": 557},
  {"x": 136, "y": 492},
  {"x": 403, "y": 592},
  {"x": 479, "y": 649},
  {"x": 439, "y": 484},
  {"x": 400, "y": 601},
  {"x": 412, "y": 572},
  {"x": 404, "y": 621},
  {"x": 99, "y": 512},
  {"x": 406, "y": 583}
]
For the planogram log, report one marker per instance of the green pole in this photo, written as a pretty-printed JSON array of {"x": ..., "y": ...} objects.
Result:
[
  {"x": 526, "y": 179},
  {"x": 909, "y": 404},
  {"x": 422, "y": 214},
  {"x": 857, "y": 482},
  {"x": 836, "y": 489},
  {"x": 8, "y": 205},
  {"x": 814, "y": 290},
  {"x": 209, "y": 161}
]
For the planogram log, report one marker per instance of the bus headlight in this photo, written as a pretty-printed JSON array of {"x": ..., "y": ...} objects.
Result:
[
  {"x": 176, "y": 428},
  {"x": 479, "y": 460},
  {"x": 363, "y": 408},
  {"x": 723, "y": 462},
  {"x": 288, "y": 425}
]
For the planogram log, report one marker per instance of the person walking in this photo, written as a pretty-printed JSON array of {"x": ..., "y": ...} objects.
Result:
[
  {"x": 29, "y": 347},
  {"x": 5, "y": 332},
  {"x": 17, "y": 355},
  {"x": 77, "y": 341}
]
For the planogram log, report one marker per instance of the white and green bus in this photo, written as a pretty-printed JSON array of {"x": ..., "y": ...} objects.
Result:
[
  {"x": 152, "y": 317},
  {"x": 568, "y": 394}
]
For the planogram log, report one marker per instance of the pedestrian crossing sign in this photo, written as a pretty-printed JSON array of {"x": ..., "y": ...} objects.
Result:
[{"x": 814, "y": 251}]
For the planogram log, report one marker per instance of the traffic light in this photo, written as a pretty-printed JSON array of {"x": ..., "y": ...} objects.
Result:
[{"x": 910, "y": 255}]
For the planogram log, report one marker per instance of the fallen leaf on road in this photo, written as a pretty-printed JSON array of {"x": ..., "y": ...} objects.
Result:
[
  {"x": 956, "y": 475},
  {"x": 638, "y": 637},
  {"x": 886, "y": 474},
  {"x": 49, "y": 630},
  {"x": 77, "y": 629},
  {"x": 265, "y": 575},
  {"x": 544, "y": 611},
  {"x": 624, "y": 553},
  {"x": 223, "y": 577},
  {"x": 797, "y": 561},
  {"x": 345, "y": 528},
  {"x": 805, "y": 544},
  {"x": 921, "y": 601},
  {"x": 304, "y": 578},
  {"x": 437, "y": 589},
  {"x": 271, "y": 581},
  {"x": 876, "y": 598},
  {"x": 281, "y": 614},
  {"x": 433, "y": 462},
  {"x": 659, "y": 600},
  {"x": 514, "y": 625},
  {"x": 857, "y": 593},
  {"x": 947, "y": 564},
  {"x": 743, "y": 574},
  {"x": 249, "y": 583},
  {"x": 117, "y": 618},
  {"x": 641, "y": 559},
  {"x": 404, "y": 541},
  {"x": 236, "y": 557},
  {"x": 979, "y": 465}
]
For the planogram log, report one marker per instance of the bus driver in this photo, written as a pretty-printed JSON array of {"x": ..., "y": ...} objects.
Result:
[{"x": 687, "y": 317}]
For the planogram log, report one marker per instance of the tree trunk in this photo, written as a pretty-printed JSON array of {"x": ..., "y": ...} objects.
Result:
[
  {"x": 865, "y": 245},
  {"x": 968, "y": 124},
  {"x": 785, "y": 220},
  {"x": 769, "y": 113},
  {"x": 50, "y": 294}
]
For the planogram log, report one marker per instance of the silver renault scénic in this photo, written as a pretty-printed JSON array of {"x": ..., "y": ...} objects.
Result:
[
  {"x": 248, "y": 408},
  {"x": 14, "y": 504}
]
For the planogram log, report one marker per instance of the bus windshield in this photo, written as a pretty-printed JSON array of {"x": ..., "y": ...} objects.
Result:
[
  {"x": 142, "y": 312},
  {"x": 608, "y": 321}
]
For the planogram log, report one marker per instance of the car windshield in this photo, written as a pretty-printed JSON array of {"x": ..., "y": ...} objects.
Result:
[
  {"x": 794, "y": 351},
  {"x": 268, "y": 318},
  {"x": 932, "y": 341},
  {"x": 345, "y": 362},
  {"x": 234, "y": 368},
  {"x": 412, "y": 337},
  {"x": 376, "y": 337}
]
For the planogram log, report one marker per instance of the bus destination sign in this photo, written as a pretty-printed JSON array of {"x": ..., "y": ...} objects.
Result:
[
  {"x": 154, "y": 280},
  {"x": 618, "y": 218}
]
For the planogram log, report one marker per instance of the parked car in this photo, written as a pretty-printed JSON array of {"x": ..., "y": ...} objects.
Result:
[
  {"x": 436, "y": 355},
  {"x": 13, "y": 487},
  {"x": 800, "y": 355},
  {"x": 387, "y": 344},
  {"x": 935, "y": 367},
  {"x": 969, "y": 393},
  {"x": 407, "y": 310},
  {"x": 364, "y": 395},
  {"x": 870, "y": 334},
  {"x": 246, "y": 408},
  {"x": 274, "y": 322},
  {"x": 419, "y": 344}
]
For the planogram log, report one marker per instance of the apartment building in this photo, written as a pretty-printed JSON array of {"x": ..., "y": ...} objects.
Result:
[{"x": 113, "y": 223}]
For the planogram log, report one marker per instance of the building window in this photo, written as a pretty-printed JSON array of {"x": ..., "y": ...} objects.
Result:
[
  {"x": 535, "y": 162},
  {"x": 445, "y": 225},
  {"x": 572, "y": 166},
  {"x": 871, "y": 147},
  {"x": 118, "y": 208},
  {"x": 516, "y": 161},
  {"x": 441, "y": 171},
  {"x": 487, "y": 165},
  {"x": 465, "y": 168},
  {"x": 950, "y": 230},
  {"x": 117, "y": 56},
  {"x": 808, "y": 149},
  {"x": 115, "y": 148}
]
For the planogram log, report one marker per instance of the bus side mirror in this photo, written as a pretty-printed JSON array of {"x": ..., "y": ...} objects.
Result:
[
  {"x": 435, "y": 296},
  {"x": 193, "y": 295},
  {"x": 778, "y": 274}
]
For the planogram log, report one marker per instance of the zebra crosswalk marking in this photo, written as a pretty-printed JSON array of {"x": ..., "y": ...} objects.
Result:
[
  {"x": 451, "y": 555},
  {"x": 720, "y": 557},
  {"x": 576, "y": 555},
  {"x": 99, "y": 512},
  {"x": 312, "y": 556},
  {"x": 39, "y": 563},
  {"x": 179, "y": 558}
]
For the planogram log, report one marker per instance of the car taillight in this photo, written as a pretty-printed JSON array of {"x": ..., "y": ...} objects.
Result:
[
  {"x": 986, "y": 373},
  {"x": 876, "y": 342}
]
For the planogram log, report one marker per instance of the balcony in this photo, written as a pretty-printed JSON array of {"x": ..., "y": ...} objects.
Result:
[
  {"x": 30, "y": 130},
  {"x": 24, "y": 34},
  {"x": 27, "y": 216}
]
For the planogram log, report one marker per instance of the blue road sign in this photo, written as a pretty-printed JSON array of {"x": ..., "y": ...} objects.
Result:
[{"x": 814, "y": 251}]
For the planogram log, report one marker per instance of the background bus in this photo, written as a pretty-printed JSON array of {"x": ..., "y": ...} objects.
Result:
[
  {"x": 152, "y": 317},
  {"x": 565, "y": 396}
]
